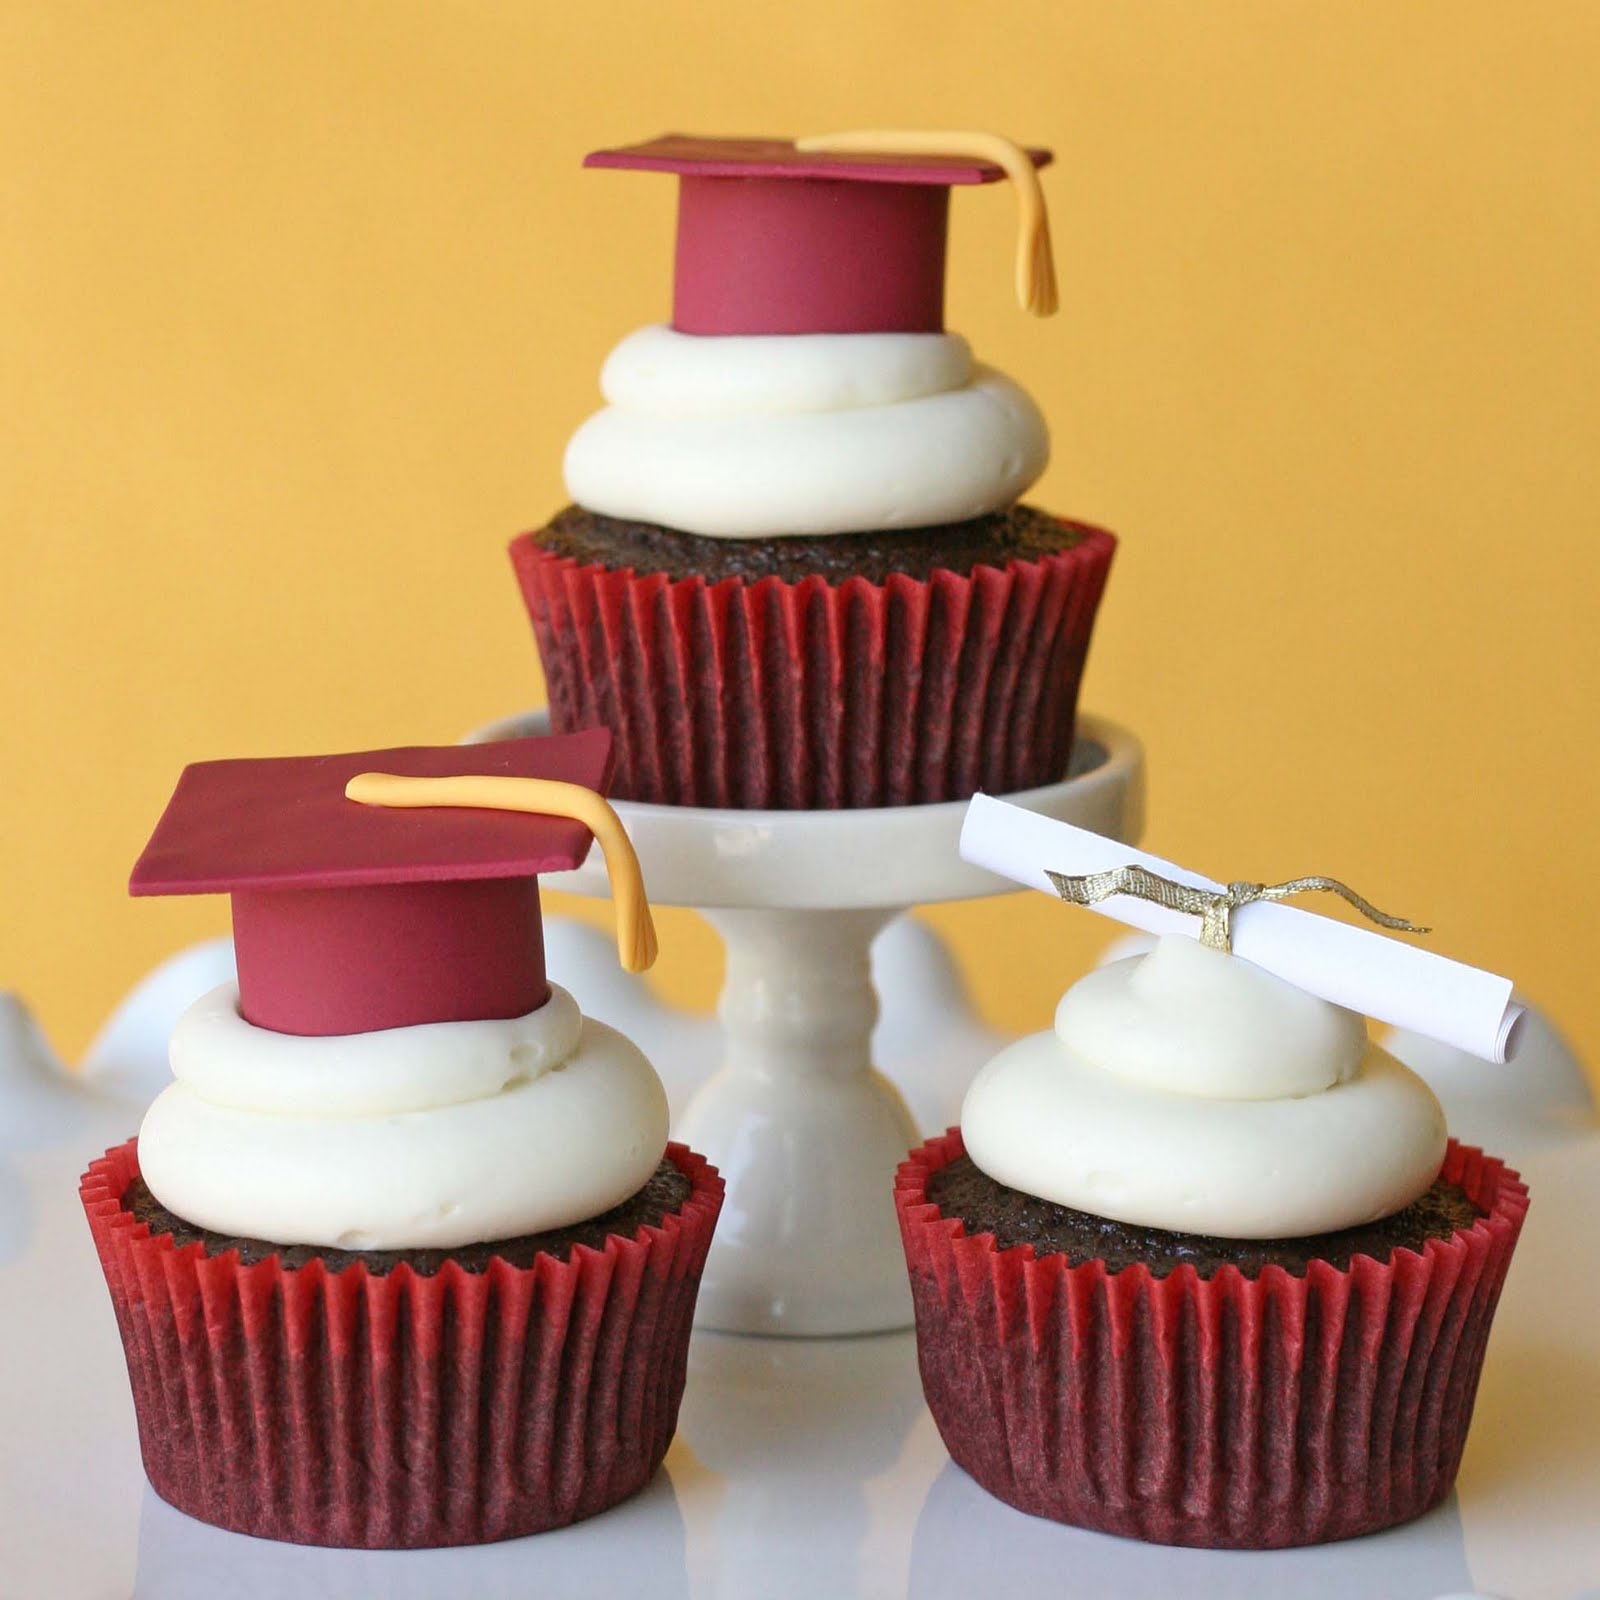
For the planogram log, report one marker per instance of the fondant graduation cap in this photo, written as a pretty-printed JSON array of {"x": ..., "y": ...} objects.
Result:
[
  {"x": 844, "y": 233},
  {"x": 349, "y": 916}
]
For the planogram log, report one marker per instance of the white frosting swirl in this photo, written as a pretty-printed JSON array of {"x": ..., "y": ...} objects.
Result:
[
  {"x": 669, "y": 374},
  {"x": 226, "y": 1060},
  {"x": 434, "y": 1136},
  {"x": 1195, "y": 1092},
  {"x": 766, "y": 436}
]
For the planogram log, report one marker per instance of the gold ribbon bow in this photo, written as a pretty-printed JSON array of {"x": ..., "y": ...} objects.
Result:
[{"x": 1214, "y": 907}]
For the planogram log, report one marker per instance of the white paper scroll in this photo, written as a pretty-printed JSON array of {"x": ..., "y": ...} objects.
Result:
[{"x": 1363, "y": 971}]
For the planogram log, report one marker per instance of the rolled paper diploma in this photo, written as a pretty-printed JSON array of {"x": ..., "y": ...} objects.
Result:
[{"x": 1362, "y": 971}]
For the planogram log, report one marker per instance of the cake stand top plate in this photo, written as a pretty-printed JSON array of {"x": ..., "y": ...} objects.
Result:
[{"x": 847, "y": 859}]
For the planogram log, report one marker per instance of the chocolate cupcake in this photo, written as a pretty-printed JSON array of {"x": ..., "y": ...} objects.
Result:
[
  {"x": 403, "y": 1256},
  {"x": 1279, "y": 1399},
  {"x": 1201, "y": 1265},
  {"x": 797, "y": 572}
]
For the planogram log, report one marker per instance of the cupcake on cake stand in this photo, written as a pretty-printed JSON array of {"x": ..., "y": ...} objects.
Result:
[
  {"x": 801, "y": 585},
  {"x": 805, "y": 1131}
]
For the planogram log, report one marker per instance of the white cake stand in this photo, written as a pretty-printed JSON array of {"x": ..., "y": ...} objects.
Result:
[{"x": 805, "y": 1131}]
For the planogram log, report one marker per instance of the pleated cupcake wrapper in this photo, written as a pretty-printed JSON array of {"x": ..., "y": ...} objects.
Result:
[
  {"x": 782, "y": 695},
  {"x": 1234, "y": 1412},
  {"x": 402, "y": 1410}
]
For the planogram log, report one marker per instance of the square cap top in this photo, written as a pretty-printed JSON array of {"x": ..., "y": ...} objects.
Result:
[
  {"x": 350, "y": 918},
  {"x": 776, "y": 239},
  {"x": 283, "y": 823},
  {"x": 690, "y": 155}
]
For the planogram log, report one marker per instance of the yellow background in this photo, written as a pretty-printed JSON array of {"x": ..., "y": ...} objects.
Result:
[{"x": 301, "y": 301}]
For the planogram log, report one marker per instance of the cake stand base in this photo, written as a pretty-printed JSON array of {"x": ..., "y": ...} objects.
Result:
[{"x": 805, "y": 1131}]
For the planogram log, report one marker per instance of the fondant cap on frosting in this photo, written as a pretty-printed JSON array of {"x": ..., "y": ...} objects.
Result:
[
  {"x": 350, "y": 918},
  {"x": 776, "y": 239}
]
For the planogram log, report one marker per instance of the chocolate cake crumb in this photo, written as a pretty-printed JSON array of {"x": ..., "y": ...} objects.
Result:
[
  {"x": 962, "y": 1190},
  {"x": 1020, "y": 533},
  {"x": 663, "y": 1195}
]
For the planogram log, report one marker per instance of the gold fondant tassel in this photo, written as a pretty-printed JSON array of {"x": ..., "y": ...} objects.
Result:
[
  {"x": 1036, "y": 267},
  {"x": 636, "y": 929}
]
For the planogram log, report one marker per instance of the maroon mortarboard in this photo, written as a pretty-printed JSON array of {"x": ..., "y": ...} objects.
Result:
[
  {"x": 351, "y": 917},
  {"x": 842, "y": 234}
]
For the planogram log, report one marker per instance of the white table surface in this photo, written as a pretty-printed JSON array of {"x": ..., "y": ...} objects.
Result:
[{"x": 805, "y": 1468}]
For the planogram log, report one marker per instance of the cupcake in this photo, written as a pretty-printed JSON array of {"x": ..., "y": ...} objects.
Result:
[
  {"x": 798, "y": 570},
  {"x": 1201, "y": 1265},
  {"x": 403, "y": 1256}
]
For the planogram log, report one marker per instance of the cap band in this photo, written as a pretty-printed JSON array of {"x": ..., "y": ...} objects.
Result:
[
  {"x": 636, "y": 932},
  {"x": 1036, "y": 270}
]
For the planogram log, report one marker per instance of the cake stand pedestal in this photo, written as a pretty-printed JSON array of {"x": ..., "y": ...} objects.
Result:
[{"x": 806, "y": 1133}]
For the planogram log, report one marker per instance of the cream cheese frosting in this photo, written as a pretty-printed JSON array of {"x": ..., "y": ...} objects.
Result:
[
  {"x": 432, "y": 1136},
  {"x": 763, "y": 436},
  {"x": 1192, "y": 1091}
]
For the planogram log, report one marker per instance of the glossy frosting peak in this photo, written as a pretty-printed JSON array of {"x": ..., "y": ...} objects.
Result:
[
  {"x": 1188, "y": 1020},
  {"x": 1192, "y": 1091}
]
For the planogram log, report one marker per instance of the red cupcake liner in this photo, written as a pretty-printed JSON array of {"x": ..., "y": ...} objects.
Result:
[
  {"x": 778, "y": 695},
  {"x": 1230, "y": 1413},
  {"x": 401, "y": 1410}
]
